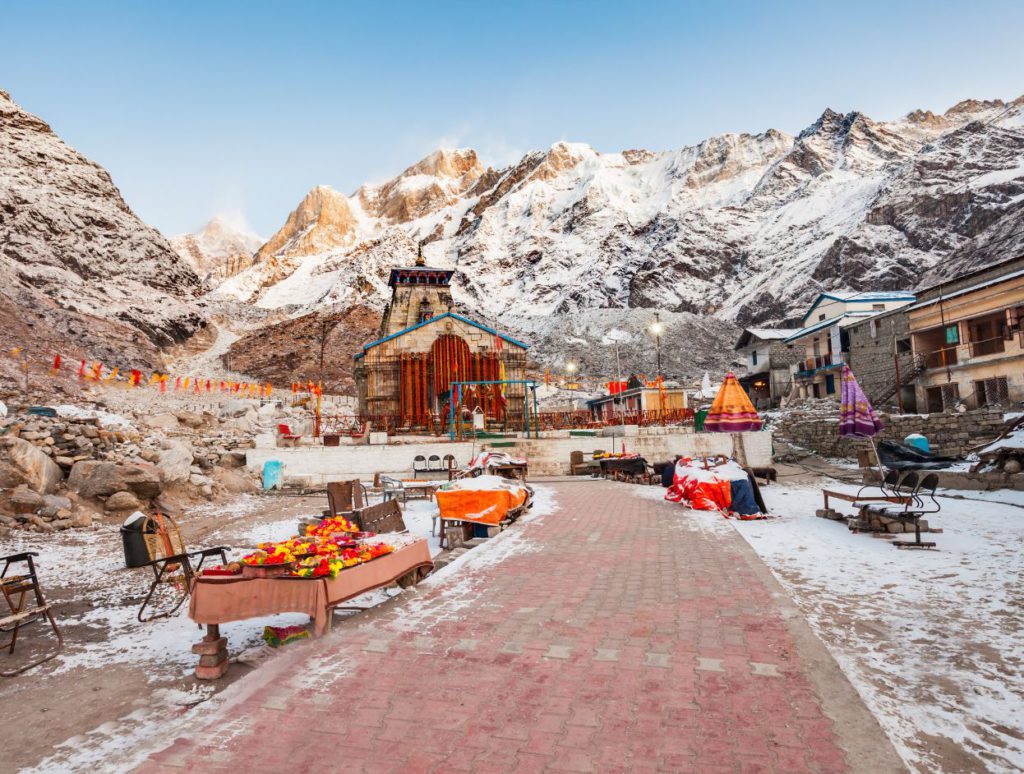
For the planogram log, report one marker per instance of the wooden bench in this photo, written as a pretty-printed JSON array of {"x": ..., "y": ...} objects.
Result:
[{"x": 857, "y": 498}]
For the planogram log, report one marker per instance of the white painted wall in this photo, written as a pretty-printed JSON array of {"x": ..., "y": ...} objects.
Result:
[{"x": 547, "y": 456}]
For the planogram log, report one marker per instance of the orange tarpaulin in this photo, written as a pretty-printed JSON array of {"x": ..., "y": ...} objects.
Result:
[{"x": 483, "y": 506}]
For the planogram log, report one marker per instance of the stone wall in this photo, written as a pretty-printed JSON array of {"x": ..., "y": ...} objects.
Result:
[
  {"x": 871, "y": 354},
  {"x": 948, "y": 434}
]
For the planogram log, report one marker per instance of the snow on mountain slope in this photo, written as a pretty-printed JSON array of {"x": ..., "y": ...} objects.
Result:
[
  {"x": 79, "y": 272},
  {"x": 219, "y": 250},
  {"x": 746, "y": 228}
]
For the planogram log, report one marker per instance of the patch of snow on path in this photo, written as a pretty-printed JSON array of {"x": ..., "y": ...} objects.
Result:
[{"x": 930, "y": 639}]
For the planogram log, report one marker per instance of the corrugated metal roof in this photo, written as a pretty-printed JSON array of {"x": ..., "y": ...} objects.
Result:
[
  {"x": 971, "y": 289},
  {"x": 843, "y": 321},
  {"x": 459, "y": 317}
]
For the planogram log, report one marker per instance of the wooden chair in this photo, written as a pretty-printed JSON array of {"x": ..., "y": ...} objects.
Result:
[
  {"x": 171, "y": 562},
  {"x": 16, "y": 590},
  {"x": 345, "y": 496},
  {"x": 382, "y": 517}
]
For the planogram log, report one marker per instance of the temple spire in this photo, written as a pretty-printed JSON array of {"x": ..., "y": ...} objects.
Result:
[{"x": 420, "y": 261}]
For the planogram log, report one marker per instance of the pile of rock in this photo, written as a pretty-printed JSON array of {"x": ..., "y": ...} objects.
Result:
[{"x": 120, "y": 467}]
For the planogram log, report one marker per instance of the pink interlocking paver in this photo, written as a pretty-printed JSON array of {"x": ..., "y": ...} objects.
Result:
[{"x": 620, "y": 639}]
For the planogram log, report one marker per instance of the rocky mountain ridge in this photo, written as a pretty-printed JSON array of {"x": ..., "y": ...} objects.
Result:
[
  {"x": 219, "y": 250},
  {"x": 80, "y": 274},
  {"x": 743, "y": 228}
]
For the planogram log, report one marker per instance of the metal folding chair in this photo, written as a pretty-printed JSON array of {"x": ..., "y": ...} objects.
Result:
[
  {"x": 17, "y": 591},
  {"x": 172, "y": 563}
]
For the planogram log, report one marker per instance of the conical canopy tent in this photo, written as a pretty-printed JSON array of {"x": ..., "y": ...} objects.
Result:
[
  {"x": 732, "y": 411},
  {"x": 857, "y": 418}
]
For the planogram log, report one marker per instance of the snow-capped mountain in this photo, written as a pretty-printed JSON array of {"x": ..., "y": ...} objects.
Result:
[
  {"x": 747, "y": 228},
  {"x": 78, "y": 270},
  {"x": 219, "y": 250}
]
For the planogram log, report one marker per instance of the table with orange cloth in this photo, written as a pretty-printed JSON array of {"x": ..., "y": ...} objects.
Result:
[
  {"x": 480, "y": 506},
  {"x": 220, "y": 599}
]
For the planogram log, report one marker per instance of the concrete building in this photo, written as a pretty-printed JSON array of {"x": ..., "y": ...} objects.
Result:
[
  {"x": 824, "y": 338},
  {"x": 767, "y": 358},
  {"x": 969, "y": 336},
  {"x": 640, "y": 403}
]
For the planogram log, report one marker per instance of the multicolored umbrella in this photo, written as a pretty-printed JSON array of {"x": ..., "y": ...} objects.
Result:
[
  {"x": 732, "y": 411},
  {"x": 857, "y": 418}
]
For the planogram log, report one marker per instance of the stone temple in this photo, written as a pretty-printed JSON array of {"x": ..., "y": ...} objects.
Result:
[{"x": 410, "y": 379}]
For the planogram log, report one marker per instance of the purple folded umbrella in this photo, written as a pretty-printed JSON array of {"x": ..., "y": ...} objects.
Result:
[{"x": 857, "y": 418}]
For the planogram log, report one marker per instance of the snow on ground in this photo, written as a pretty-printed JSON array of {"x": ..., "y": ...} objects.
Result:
[
  {"x": 930, "y": 639},
  {"x": 123, "y": 744}
]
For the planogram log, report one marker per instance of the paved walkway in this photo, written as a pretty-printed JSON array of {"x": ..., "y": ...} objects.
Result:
[{"x": 617, "y": 634}]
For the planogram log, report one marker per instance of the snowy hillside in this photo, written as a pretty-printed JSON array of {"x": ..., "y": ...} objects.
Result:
[
  {"x": 79, "y": 272},
  {"x": 219, "y": 250},
  {"x": 743, "y": 227}
]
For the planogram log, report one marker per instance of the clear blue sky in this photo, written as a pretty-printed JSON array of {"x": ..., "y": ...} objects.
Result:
[{"x": 199, "y": 108}]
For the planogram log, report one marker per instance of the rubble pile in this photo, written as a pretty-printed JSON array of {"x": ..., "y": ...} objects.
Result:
[{"x": 66, "y": 471}]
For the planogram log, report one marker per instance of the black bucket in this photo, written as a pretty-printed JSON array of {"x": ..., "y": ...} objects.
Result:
[{"x": 133, "y": 538}]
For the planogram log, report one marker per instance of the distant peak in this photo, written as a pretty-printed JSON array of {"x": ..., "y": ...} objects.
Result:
[
  {"x": 446, "y": 162},
  {"x": 974, "y": 106}
]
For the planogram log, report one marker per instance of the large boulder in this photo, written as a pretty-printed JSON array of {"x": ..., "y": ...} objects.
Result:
[
  {"x": 122, "y": 501},
  {"x": 162, "y": 421},
  {"x": 236, "y": 407},
  {"x": 175, "y": 464},
  {"x": 91, "y": 478},
  {"x": 235, "y": 481},
  {"x": 24, "y": 500},
  {"x": 23, "y": 463}
]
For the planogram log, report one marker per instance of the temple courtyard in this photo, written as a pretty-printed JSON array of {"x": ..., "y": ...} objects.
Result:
[{"x": 607, "y": 631}]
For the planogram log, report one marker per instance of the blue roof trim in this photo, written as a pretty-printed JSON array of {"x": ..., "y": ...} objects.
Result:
[
  {"x": 897, "y": 295},
  {"x": 459, "y": 317}
]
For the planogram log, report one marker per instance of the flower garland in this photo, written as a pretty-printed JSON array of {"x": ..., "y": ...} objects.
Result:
[{"x": 331, "y": 526}]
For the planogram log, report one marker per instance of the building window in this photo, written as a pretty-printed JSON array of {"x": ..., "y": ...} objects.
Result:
[
  {"x": 991, "y": 392},
  {"x": 942, "y": 398},
  {"x": 753, "y": 357},
  {"x": 873, "y": 326},
  {"x": 821, "y": 317},
  {"x": 878, "y": 307},
  {"x": 953, "y": 334},
  {"x": 903, "y": 346},
  {"x": 987, "y": 335}
]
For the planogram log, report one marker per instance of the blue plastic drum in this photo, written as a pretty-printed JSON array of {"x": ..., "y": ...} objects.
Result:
[
  {"x": 919, "y": 442},
  {"x": 273, "y": 474}
]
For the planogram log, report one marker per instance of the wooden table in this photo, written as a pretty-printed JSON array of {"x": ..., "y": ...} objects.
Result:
[
  {"x": 222, "y": 599},
  {"x": 424, "y": 489}
]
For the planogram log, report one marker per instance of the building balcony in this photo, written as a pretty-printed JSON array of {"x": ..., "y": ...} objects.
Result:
[{"x": 806, "y": 369}]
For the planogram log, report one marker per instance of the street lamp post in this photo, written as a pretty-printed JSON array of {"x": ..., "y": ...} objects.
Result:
[{"x": 657, "y": 329}]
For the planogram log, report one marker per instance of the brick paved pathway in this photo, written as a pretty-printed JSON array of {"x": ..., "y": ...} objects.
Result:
[{"x": 621, "y": 636}]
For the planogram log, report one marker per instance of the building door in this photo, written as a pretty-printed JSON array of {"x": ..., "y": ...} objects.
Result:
[{"x": 830, "y": 384}]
